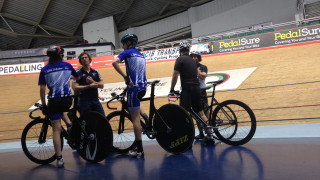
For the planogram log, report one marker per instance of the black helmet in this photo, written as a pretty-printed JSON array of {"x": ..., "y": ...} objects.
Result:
[
  {"x": 184, "y": 45},
  {"x": 129, "y": 37},
  {"x": 56, "y": 51},
  {"x": 195, "y": 53}
]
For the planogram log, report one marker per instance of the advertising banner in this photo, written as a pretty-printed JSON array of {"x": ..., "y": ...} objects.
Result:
[
  {"x": 161, "y": 54},
  {"x": 21, "y": 68},
  {"x": 269, "y": 39},
  {"x": 276, "y": 38},
  {"x": 23, "y": 53}
]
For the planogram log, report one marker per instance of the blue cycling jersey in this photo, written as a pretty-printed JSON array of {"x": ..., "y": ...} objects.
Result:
[
  {"x": 135, "y": 66},
  {"x": 57, "y": 78}
]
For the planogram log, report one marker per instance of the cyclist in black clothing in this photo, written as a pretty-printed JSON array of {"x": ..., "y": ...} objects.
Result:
[
  {"x": 202, "y": 74},
  {"x": 186, "y": 67}
]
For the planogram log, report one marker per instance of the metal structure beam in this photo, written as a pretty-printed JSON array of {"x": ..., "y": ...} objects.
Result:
[
  {"x": 176, "y": 2},
  {"x": 1, "y": 5},
  {"x": 13, "y": 34},
  {"x": 126, "y": 10},
  {"x": 163, "y": 8},
  {"x": 33, "y": 23},
  {"x": 82, "y": 17},
  {"x": 201, "y": 2},
  {"x": 39, "y": 21}
]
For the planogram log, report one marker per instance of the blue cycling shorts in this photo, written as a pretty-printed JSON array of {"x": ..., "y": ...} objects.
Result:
[{"x": 134, "y": 95}]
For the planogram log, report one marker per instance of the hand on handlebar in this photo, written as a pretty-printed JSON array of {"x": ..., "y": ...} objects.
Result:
[
  {"x": 44, "y": 109},
  {"x": 173, "y": 94}
]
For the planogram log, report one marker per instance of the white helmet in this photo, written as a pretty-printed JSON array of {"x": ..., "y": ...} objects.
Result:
[{"x": 184, "y": 45}]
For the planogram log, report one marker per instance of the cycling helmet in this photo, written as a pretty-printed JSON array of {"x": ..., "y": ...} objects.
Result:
[
  {"x": 129, "y": 37},
  {"x": 184, "y": 45},
  {"x": 56, "y": 51},
  {"x": 195, "y": 53}
]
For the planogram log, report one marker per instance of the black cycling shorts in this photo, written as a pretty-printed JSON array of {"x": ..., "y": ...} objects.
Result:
[
  {"x": 190, "y": 97},
  {"x": 204, "y": 99},
  {"x": 58, "y": 105}
]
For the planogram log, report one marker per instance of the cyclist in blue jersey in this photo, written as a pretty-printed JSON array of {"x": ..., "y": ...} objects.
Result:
[
  {"x": 136, "y": 80},
  {"x": 56, "y": 75}
]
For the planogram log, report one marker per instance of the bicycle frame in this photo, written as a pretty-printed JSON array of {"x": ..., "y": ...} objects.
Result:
[
  {"x": 147, "y": 126},
  {"x": 46, "y": 122}
]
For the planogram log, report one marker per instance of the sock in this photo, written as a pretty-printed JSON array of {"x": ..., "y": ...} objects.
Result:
[
  {"x": 139, "y": 145},
  {"x": 145, "y": 116},
  {"x": 59, "y": 157}
]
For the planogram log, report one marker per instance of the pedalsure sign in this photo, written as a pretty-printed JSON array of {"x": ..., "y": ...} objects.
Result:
[{"x": 276, "y": 38}]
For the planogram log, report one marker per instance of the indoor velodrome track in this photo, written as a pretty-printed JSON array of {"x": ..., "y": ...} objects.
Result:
[{"x": 283, "y": 91}]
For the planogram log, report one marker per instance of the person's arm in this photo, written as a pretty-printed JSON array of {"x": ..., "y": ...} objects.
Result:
[
  {"x": 77, "y": 88},
  {"x": 43, "y": 94},
  {"x": 174, "y": 79},
  {"x": 116, "y": 66},
  {"x": 100, "y": 83},
  {"x": 202, "y": 75}
]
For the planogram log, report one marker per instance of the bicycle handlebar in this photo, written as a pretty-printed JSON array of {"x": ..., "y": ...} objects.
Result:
[
  {"x": 39, "y": 106},
  {"x": 175, "y": 95},
  {"x": 117, "y": 97},
  {"x": 111, "y": 101}
]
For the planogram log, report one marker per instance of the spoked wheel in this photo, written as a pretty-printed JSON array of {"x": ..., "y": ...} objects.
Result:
[
  {"x": 37, "y": 142},
  {"x": 98, "y": 144},
  {"x": 123, "y": 136},
  {"x": 235, "y": 121},
  {"x": 174, "y": 128},
  {"x": 231, "y": 115}
]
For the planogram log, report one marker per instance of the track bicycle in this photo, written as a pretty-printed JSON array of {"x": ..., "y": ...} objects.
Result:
[
  {"x": 232, "y": 121},
  {"x": 170, "y": 125},
  {"x": 90, "y": 135}
]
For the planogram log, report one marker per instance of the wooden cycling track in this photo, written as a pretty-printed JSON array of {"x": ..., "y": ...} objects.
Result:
[{"x": 284, "y": 89}]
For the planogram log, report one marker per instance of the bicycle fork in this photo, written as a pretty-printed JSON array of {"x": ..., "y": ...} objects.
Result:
[{"x": 43, "y": 133}]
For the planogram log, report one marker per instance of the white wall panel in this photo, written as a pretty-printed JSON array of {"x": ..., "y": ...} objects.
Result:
[
  {"x": 250, "y": 13},
  {"x": 101, "y": 29},
  {"x": 220, "y": 16},
  {"x": 213, "y": 8},
  {"x": 160, "y": 27}
]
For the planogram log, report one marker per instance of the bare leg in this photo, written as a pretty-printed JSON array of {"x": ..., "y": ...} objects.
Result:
[
  {"x": 56, "y": 127},
  {"x": 65, "y": 118},
  {"x": 142, "y": 111},
  {"x": 202, "y": 115},
  {"x": 135, "y": 116}
]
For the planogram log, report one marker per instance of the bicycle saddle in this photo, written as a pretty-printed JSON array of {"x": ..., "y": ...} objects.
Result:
[
  {"x": 153, "y": 82},
  {"x": 215, "y": 82}
]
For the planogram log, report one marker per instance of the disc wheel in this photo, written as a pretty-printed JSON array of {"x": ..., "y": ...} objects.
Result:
[{"x": 174, "y": 128}]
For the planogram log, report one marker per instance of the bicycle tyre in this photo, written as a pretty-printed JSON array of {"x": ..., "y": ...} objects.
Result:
[
  {"x": 38, "y": 152},
  {"x": 98, "y": 128},
  {"x": 213, "y": 123},
  {"x": 236, "y": 128},
  {"x": 180, "y": 138},
  {"x": 123, "y": 141}
]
